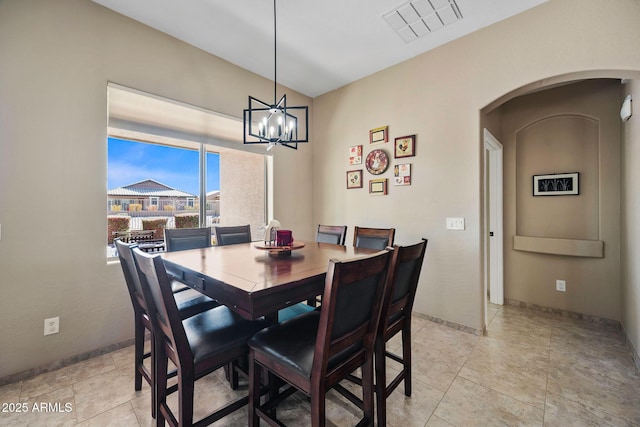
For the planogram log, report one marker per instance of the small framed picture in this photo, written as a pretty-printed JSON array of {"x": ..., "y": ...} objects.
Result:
[
  {"x": 402, "y": 174},
  {"x": 380, "y": 134},
  {"x": 354, "y": 179},
  {"x": 378, "y": 187},
  {"x": 559, "y": 184},
  {"x": 355, "y": 155},
  {"x": 405, "y": 146}
]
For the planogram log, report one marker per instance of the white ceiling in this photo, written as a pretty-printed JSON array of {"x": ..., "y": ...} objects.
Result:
[{"x": 322, "y": 44}]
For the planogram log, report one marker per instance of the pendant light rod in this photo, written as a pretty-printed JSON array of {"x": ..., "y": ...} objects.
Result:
[
  {"x": 276, "y": 123},
  {"x": 275, "y": 55}
]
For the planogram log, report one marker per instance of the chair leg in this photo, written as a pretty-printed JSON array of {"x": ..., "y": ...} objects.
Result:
[
  {"x": 186, "y": 384},
  {"x": 138, "y": 352},
  {"x": 152, "y": 376},
  {"x": 233, "y": 382},
  {"x": 318, "y": 415},
  {"x": 381, "y": 381},
  {"x": 254, "y": 391},
  {"x": 406, "y": 357},
  {"x": 367, "y": 390},
  {"x": 160, "y": 385}
]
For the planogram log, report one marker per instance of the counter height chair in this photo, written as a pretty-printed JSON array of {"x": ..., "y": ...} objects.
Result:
[
  {"x": 334, "y": 234},
  {"x": 404, "y": 273},
  {"x": 180, "y": 239},
  {"x": 331, "y": 234},
  {"x": 197, "y": 346},
  {"x": 189, "y": 303},
  {"x": 233, "y": 235},
  {"x": 373, "y": 238},
  {"x": 316, "y": 350}
]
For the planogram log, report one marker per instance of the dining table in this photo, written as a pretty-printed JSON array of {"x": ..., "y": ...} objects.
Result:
[{"x": 255, "y": 281}]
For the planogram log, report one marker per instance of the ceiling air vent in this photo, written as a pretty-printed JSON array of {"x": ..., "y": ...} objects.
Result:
[{"x": 417, "y": 18}]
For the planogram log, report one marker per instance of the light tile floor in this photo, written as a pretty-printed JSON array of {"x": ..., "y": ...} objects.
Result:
[{"x": 532, "y": 369}]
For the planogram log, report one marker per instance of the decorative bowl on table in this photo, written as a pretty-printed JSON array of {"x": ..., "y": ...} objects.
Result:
[{"x": 275, "y": 250}]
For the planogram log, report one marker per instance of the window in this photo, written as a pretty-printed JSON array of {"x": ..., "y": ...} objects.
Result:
[{"x": 159, "y": 171}]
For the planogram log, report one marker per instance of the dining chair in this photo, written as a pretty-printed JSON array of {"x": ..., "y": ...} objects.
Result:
[
  {"x": 331, "y": 234},
  {"x": 180, "y": 239},
  {"x": 233, "y": 235},
  {"x": 397, "y": 307},
  {"x": 373, "y": 238},
  {"x": 334, "y": 234},
  {"x": 197, "y": 345},
  {"x": 189, "y": 303},
  {"x": 316, "y": 350}
]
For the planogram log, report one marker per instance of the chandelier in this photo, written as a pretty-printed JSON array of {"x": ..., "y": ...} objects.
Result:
[{"x": 275, "y": 123}]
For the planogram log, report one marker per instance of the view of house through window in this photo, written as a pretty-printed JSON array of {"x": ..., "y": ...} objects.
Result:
[
  {"x": 152, "y": 186},
  {"x": 175, "y": 165}
]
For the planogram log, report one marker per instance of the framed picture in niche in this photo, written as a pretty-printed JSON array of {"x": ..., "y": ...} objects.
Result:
[
  {"x": 558, "y": 184},
  {"x": 355, "y": 155},
  {"x": 354, "y": 179},
  {"x": 402, "y": 174},
  {"x": 405, "y": 146},
  {"x": 378, "y": 187},
  {"x": 380, "y": 134}
]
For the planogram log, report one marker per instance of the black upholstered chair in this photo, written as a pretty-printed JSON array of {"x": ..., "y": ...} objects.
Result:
[
  {"x": 404, "y": 273},
  {"x": 396, "y": 317},
  {"x": 233, "y": 235},
  {"x": 331, "y": 234},
  {"x": 316, "y": 350},
  {"x": 188, "y": 302},
  {"x": 373, "y": 238},
  {"x": 180, "y": 239},
  {"x": 197, "y": 346}
]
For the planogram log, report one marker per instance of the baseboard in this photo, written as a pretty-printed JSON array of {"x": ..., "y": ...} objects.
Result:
[
  {"x": 30, "y": 373},
  {"x": 634, "y": 351},
  {"x": 450, "y": 324},
  {"x": 565, "y": 313}
]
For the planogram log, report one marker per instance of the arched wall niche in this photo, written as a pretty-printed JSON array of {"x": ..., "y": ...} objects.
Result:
[{"x": 593, "y": 258}]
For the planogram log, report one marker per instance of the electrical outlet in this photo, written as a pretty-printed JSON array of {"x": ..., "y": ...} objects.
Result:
[
  {"x": 561, "y": 286},
  {"x": 51, "y": 326},
  {"x": 455, "y": 223}
]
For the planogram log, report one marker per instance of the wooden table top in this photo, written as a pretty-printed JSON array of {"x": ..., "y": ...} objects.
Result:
[{"x": 250, "y": 280}]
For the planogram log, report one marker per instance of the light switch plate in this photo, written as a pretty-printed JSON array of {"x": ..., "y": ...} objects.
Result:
[{"x": 455, "y": 223}]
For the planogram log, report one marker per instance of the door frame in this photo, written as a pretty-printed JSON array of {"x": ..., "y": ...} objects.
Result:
[{"x": 494, "y": 255}]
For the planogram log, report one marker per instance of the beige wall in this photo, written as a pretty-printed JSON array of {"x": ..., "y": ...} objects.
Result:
[
  {"x": 438, "y": 96},
  {"x": 242, "y": 195},
  {"x": 57, "y": 57},
  {"x": 574, "y": 128},
  {"x": 630, "y": 225}
]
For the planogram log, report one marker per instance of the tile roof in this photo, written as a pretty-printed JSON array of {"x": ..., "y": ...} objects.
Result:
[{"x": 148, "y": 188}]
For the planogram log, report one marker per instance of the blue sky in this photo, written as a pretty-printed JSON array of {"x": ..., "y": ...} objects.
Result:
[{"x": 131, "y": 162}]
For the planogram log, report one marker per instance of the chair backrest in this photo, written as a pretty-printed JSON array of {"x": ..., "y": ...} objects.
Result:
[
  {"x": 349, "y": 315},
  {"x": 233, "y": 235},
  {"x": 331, "y": 234},
  {"x": 127, "y": 263},
  {"x": 180, "y": 239},
  {"x": 373, "y": 238},
  {"x": 404, "y": 274},
  {"x": 161, "y": 307}
]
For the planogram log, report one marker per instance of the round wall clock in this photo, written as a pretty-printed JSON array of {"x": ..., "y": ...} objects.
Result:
[{"x": 377, "y": 162}]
